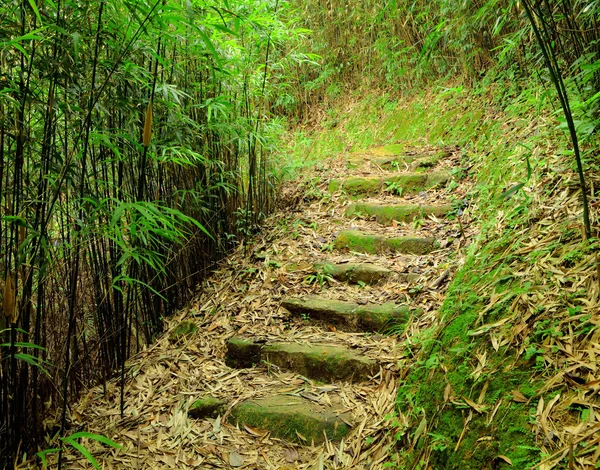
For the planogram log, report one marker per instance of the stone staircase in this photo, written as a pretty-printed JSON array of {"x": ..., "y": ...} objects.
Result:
[{"x": 385, "y": 231}]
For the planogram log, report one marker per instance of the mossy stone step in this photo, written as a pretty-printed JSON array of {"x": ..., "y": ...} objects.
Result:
[
  {"x": 386, "y": 213},
  {"x": 361, "y": 242},
  {"x": 292, "y": 418},
  {"x": 207, "y": 407},
  {"x": 355, "y": 272},
  {"x": 408, "y": 183},
  {"x": 348, "y": 315},
  {"x": 414, "y": 162},
  {"x": 317, "y": 361}
]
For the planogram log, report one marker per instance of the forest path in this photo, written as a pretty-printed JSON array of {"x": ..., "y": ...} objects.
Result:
[{"x": 291, "y": 355}]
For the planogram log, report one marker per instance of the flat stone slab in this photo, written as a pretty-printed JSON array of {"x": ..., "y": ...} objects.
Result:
[
  {"x": 348, "y": 315},
  {"x": 322, "y": 362},
  {"x": 386, "y": 213},
  {"x": 409, "y": 183},
  {"x": 292, "y": 418},
  {"x": 355, "y": 273},
  {"x": 361, "y": 242}
]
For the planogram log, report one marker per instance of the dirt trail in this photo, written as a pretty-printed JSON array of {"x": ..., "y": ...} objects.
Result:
[{"x": 247, "y": 383}]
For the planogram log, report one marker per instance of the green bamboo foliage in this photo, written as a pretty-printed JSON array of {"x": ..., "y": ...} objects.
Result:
[
  {"x": 133, "y": 156},
  {"x": 407, "y": 44}
]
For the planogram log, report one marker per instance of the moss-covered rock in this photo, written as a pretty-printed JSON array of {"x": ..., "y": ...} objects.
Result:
[
  {"x": 408, "y": 183},
  {"x": 412, "y": 162},
  {"x": 242, "y": 353},
  {"x": 316, "y": 361},
  {"x": 321, "y": 362},
  {"x": 387, "y": 213},
  {"x": 361, "y": 242},
  {"x": 355, "y": 272},
  {"x": 207, "y": 407},
  {"x": 348, "y": 315},
  {"x": 292, "y": 418},
  {"x": 184, "y": 330}
]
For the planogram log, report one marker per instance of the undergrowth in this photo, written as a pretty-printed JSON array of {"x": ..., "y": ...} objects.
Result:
[{"x": 482, "y": 387}]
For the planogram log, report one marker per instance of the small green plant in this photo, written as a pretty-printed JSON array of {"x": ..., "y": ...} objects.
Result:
[
  {"x": 72, "y": 441},
  {"x": 393, "y": 187},
  {"x": 321, "y": 278}
]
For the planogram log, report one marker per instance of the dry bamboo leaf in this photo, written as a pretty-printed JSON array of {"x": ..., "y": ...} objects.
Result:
[
  {"x": 291, "y": 455},
  {"x": 506, "y": 459},
  {"x": 254, "y": 431},
  {"x": 519, "y": 397},
  {"x": 148, "y": 125},
  {"x": 235, "y": 459},
  {"x": 475, "y": 406}
]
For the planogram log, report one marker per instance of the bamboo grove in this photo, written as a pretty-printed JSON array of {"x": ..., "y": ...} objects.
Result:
[{"x": 134, "y": 153}]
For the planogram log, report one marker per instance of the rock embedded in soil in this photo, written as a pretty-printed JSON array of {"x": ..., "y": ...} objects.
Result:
[
  {"x": 409, "y": 183},
  {"x": 355, "y": 272},
  {"x": 184, "y": 330},
  {"x": 386, "y": 213},
  {"x": 292, "y": 418},
  {"x": 243, "y": 353},
  {"x": 348, "y": 315},
  {"x": 361, "y": 242},
  {"x": 207, "y": 407},
  {"x": 317, "y": 361},
  {"x": 321, "y": 362}
]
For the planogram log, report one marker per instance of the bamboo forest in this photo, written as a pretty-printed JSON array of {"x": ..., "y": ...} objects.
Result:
[{"x": 283, "y": 234}]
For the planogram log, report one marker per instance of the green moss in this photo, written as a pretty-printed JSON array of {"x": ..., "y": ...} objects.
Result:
[
  {"x": 334, "y": 185},
  {"x": 351, "y": 316},
  {"x": 184, "y": 330},
  {"x": 387, "y": 213},
  {"x": 409, "y": 183},
  {"x": 360, "y": 185},
  {"x": 207, "y": 407},
  {"x": 361, "y": 242},
  {"x": 321, "y": 362},
  {"x": 292, "y": 418}
]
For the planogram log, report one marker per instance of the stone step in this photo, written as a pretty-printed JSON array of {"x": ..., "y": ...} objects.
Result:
[
  {"x": 386, "y": 213},
  {"x": 293, "y": 418},
  {"x": 350, "y": 316},
  {"x": 322, "y": 362},
  {"x": 407, "y": 183},
  {"x": 355, "y": 273},
  {"x": 413, "y": 162},
  {"x": 207, "y": 407},
  {"x": 361, "y": 242}
]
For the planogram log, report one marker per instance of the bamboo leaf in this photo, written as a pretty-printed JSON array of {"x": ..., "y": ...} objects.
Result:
[
  {"x": 84, "y": 451},
  {"x": 96, "y": 437},
  {"x": 42, "y": 455},
  {"x": 34, "y": 7},
  {"x": 32, "y": 360}
]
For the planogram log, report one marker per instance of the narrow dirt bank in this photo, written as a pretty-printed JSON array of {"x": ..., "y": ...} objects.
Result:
[{"x": 289, "y": 356}]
